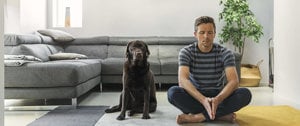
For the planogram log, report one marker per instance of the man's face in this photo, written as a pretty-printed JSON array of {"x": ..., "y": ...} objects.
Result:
[{"x": 205, "y": 35}]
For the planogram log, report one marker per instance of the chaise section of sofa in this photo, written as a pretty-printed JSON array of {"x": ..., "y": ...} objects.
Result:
[{"x": 49, "y": 79}]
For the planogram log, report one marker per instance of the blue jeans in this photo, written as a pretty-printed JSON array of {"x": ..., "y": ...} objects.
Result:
[{"x": 187, "y": 104}]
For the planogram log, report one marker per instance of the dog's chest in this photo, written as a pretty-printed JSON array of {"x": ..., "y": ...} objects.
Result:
[{"x": 136, "y": 82}]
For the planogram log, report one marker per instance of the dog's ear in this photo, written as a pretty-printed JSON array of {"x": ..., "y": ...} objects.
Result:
[
  {"x": 127, "y": 53},
  {"x": 147, "y": 50}
]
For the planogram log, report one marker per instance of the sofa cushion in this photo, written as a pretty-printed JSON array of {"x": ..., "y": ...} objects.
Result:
[
  {"x": 38, "y": 50},
  {"x": 55, "y": 48},
  {"x": 16, "y": 39},
  {"x": 91, "y": 51},
  {"x": 169, "y": 51},
  {"x": 114, "y": 66},
  {"x": 57, "y": 35},
  {"x": 176, "y": 40},
  {"x": 154, "y": 65},
  {"x": 97, "y": 40},
  {"x": 169, "y": 66},
  {"x": 67, "y": 56},
  {"x": 116, "y": 51},
  {"x": 122, "y": 40},
  {"x": 59, "y": 73}
]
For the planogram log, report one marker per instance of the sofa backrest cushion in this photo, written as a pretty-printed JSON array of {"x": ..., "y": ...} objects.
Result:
[
  {"x": 98, "y": 40},
  {"x": 16, "y": 39},
  {"x": 55, "y": 49},
  {"x": 117, "y": 45},
  {"x": 38, "y": 50},
  {"x": 122, "y": 40},
  {"x": 169, "y": 46},
  {"x": 92, "y": 47},
  {"x": 91, "y": 51},
  {"x": 118, "y": 51},
  {"x": 169, "y": 51},
  {"x": 176, "y": 40}
]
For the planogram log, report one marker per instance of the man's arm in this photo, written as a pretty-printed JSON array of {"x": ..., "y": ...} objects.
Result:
[
  {"x": 185, "y": 83},
  {"x": 232, "y": 84}
]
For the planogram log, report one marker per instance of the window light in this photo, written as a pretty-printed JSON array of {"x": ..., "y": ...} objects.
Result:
[{"x": 67, "y": 13}]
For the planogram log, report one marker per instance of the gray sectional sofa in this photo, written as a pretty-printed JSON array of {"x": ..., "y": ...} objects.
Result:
[{"x": 71, "y": 78}]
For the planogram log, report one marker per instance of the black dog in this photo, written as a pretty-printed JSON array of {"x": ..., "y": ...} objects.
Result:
[{"x": 138, "y": 94}]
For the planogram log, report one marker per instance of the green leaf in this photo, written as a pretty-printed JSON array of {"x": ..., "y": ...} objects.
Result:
[{"x": 240, "y": 23}]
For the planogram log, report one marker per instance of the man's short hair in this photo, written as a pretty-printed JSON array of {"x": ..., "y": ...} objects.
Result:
[{"x": 204, "y": 20}]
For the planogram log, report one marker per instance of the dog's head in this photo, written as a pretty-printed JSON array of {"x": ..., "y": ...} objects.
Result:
[{"x": 137, "y": 52}]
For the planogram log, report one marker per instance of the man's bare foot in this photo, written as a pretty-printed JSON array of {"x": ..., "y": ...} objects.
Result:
[
  {"x": 190, "y": 118},
  {"x": 229, "y": 118}
]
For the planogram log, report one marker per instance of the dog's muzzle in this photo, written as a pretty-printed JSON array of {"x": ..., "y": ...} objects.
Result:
[{"x": 137, "y": 55}]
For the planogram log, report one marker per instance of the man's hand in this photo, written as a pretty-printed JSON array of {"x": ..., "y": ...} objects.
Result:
[
  {"x": 214, "y": 105},
  {"x": 207, "y": 105},
  {"x": 211, "y": 105}
]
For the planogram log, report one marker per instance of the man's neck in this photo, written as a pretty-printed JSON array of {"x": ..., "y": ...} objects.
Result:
[{"x": 205, "y": 49}]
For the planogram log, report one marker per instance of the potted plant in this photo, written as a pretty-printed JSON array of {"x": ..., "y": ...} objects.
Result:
[{"x": 240, "y": 24}]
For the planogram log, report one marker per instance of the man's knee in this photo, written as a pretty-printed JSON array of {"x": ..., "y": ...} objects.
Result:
[
  {"x": 172, "y": 92},
  {"x": 245, "y": 95}
]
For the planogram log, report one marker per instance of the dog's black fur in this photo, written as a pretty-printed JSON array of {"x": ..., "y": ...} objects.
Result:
[{"x": 138, "y": 94}]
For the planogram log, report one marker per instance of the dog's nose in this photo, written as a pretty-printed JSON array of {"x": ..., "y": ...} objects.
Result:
[{"x": 138, "y": 53}]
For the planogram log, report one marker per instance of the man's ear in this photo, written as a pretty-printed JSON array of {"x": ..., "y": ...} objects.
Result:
[{"x": 195, "y": 34}]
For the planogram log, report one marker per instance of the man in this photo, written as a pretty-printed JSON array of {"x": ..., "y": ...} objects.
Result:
[{"x": 208, "y": 81}]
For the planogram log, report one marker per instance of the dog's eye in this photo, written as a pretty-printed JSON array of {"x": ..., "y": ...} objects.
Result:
[{"x": 132, "y": 49}]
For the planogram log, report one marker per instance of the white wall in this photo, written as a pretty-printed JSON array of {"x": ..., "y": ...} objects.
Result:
[
  {"x": 152, "y": 18},
  {"x": 33, "y": 17},
  {"x": 12, "y": 16},
  {"x": 1, "y": 65},
  {"x": 142, "y": 17},
  {"x": 25, "y": 16},
  {"x": 286, "y": 48}
]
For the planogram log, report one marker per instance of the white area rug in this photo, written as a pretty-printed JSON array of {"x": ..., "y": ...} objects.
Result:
[{"x": 164, "y": 116}]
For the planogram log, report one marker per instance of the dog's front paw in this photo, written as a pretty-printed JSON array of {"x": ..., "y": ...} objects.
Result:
[
  {"x": 146, "y": 117},
  {"x": 120, "y": 117}
]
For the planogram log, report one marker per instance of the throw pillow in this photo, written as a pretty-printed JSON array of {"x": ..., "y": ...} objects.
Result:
[
  {"x": 57, "y": 35},
  {"x": 66, "y": 56}
]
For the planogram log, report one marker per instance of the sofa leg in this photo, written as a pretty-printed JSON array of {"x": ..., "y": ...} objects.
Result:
[
  {"x": 45, "y": 102},
  {"x": 100, "y": 87},
  {"x": 74, "y": 102}
]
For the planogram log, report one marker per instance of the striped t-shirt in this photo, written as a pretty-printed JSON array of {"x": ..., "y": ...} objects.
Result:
[{"x": 207, "y": 69}]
